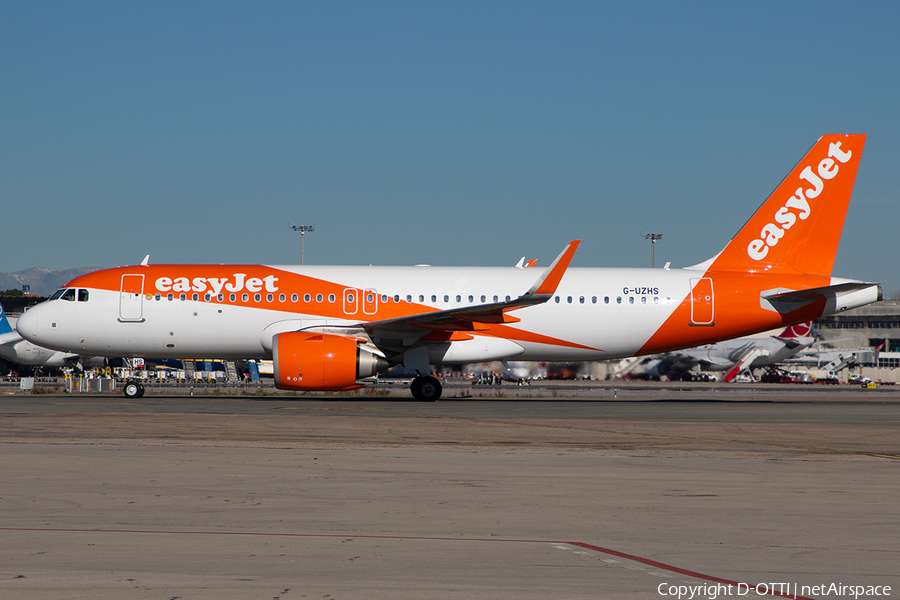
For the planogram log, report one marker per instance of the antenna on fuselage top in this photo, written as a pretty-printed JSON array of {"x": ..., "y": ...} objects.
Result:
[{"x": 146, "y": 261}]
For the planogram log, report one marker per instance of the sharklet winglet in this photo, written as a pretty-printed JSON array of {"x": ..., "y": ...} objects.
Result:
[{"x": 549, "y": 280}]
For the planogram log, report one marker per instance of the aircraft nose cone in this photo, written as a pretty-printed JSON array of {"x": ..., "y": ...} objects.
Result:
[{"x": 27, "y": 324}]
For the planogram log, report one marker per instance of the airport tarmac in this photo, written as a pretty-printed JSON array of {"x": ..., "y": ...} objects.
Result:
[{"x": 622, "y": 496}]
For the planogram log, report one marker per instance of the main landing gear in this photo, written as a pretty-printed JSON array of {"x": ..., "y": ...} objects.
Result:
[
  {"x": 426, "y": 389},
  {"x": 133, "y": 389}
]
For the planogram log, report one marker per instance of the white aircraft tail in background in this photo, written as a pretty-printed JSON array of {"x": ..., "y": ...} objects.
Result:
[{"x": 734, "y": 356}]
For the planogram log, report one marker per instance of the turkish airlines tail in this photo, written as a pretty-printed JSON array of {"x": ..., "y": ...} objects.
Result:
[
  {"x": 797, "y": 229},
  {"x": 800, "y": 330}
]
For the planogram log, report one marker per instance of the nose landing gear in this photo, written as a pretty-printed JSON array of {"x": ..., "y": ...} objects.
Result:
[{"x": 133, "y": 389}]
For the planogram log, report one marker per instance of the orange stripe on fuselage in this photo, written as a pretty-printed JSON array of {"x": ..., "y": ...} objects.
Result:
[{"x": 252, "y": 280}]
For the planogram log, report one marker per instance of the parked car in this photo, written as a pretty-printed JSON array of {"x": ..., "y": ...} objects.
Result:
[
  {"x": 776, "y": 376},
  {"x": 802, "y": 377}
]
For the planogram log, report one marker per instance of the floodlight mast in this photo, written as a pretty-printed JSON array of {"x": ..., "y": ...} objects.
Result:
[
  {"x": 303, "y": 229},
  {"x": 652, "y": 237}
]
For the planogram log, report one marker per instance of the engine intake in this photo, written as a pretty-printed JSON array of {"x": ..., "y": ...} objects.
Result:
[{"x": 321, "y": 361}]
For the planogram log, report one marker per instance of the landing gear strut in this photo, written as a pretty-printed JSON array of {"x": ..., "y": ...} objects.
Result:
[
  {"x": 426, "y": 389},
  {"x": 133, "y": 389}
]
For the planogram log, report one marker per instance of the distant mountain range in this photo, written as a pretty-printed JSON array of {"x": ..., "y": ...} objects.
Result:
[{"x": 43, "y": 281}]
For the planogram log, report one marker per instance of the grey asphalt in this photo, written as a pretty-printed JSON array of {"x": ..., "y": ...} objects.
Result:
[{"x": 352, "y": 497}]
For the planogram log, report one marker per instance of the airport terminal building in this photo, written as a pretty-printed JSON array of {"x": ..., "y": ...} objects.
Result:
[{"x": 876, "y": 326}]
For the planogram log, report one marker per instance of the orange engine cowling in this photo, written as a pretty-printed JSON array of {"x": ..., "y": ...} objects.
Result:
[{"x": 321, "y": 361}]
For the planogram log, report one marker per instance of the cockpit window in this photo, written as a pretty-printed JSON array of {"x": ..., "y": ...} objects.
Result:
[
  {"x": 69, "y": 295},
  {"x": 57, "y": 294},
  {"x": 82, "y": 295}
]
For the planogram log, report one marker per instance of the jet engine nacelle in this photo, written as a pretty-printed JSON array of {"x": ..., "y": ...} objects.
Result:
[
  {"x": 658, "y": 368},
  {"x": 321, "y": 361}
]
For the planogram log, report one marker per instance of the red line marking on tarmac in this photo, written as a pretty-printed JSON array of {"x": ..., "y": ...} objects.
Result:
[
  {"x": 679, "y": 570},
  {"x": 631, "y": 557}
]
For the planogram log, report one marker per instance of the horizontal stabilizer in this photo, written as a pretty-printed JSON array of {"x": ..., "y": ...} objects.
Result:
[{"x": 838, "y": 297}]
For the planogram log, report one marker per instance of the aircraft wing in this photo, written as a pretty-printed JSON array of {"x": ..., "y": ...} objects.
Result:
[{"x": 478, "y": 317}]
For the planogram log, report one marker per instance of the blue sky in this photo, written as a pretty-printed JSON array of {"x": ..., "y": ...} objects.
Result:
[{"x": 422, "y": 132}]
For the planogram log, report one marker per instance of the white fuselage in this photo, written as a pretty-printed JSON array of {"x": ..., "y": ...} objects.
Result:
[{"x": 601, "y": 313}]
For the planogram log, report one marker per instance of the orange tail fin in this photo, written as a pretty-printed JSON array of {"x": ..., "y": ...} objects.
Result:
[{"x": 797, "y": 229}]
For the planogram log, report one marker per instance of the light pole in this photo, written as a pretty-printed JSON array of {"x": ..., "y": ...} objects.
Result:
[
  {"x": 652, "y": 237},
  {"x": 303, "y": 229}
]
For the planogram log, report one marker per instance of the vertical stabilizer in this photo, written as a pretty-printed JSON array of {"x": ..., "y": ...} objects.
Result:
[
  {"x": 797, "y": 229},
  {"x": 7, "y": 335}
]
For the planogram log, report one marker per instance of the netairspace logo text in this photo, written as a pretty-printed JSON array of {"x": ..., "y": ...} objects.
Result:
[{"x": 784, "y": 590}]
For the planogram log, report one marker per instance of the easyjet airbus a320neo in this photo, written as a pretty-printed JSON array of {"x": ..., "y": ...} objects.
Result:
[{"x": 327, "y": 327}]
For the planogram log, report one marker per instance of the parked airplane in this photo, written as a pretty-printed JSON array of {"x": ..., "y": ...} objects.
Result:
[
  {"x": 18, "y": 351},
  {"x": 326, "y": 327},
  {"x": 734, "y": 356}
]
